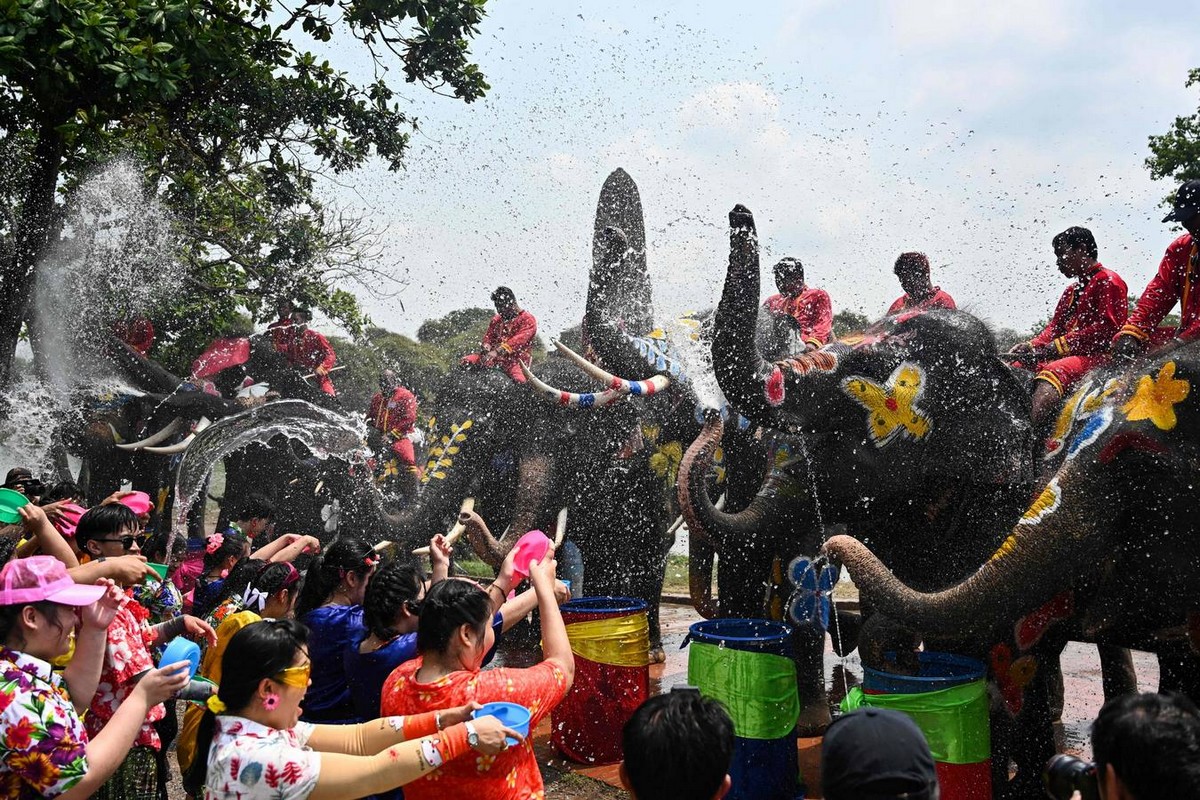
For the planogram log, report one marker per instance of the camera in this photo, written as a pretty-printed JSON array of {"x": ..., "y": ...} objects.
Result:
[{"x": 1064, "y": 775}]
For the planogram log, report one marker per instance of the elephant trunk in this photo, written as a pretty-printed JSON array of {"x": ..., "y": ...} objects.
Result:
[
  {"x": 533, "y": 476},
  {"x": 741, "y": 370},
  {"x": 704, "y": 519},
  {"x": 1031, "y": 566}
]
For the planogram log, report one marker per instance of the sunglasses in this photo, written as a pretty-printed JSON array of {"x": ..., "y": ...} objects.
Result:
[
  {"x": 295, "y": 676},
  {"x": 127, "y": 541}
]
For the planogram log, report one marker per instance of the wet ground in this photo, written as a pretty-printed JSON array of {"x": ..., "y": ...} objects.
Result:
[{"x": 570, "y": 781}]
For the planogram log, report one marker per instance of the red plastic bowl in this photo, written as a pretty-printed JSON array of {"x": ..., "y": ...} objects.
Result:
[{"x": 137, "y": 502}]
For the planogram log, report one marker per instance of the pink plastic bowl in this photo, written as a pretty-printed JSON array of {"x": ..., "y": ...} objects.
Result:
[
  {"x": 70, "y": 518},
  {"x": 531, "y": 547},
  {"x": 137, "y": 502}
]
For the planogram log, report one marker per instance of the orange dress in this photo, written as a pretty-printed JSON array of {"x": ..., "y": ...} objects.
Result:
[{"x": 509, "y": 775}]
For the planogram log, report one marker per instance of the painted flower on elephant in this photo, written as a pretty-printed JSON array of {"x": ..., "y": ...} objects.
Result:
[
  {"x": 1012, "y": 676},
  {"x": 1155, "y": 398},
  {"x": 441, "y": 456},
  {"x": 892, "y": 407},
  {"x": 1079, "y": 408},
  {"x": 665, "y": 461}
]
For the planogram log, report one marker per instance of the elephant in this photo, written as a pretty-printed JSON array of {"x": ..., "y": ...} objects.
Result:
[
  {"x": 913, "y": 434},
  {"x": 1104, "y": 553}
]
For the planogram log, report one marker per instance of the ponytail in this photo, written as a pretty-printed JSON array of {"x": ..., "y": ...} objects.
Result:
[{"x": 346, "y": 554}]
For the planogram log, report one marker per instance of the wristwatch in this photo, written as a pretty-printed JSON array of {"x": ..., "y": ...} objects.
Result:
[{"x": 472, "y": 735}]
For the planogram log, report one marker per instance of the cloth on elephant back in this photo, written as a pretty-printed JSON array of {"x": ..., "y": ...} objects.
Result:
[
  {"x": 811, "y": 310},
  {"x": 221, "y": 355},
  {"x": 509, "y": 775}
]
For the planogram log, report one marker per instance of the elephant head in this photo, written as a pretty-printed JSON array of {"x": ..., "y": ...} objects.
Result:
[{"x": 1115, "y": 524}]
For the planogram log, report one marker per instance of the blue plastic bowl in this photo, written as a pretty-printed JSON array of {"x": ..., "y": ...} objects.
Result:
[
  {"x": 181, "y": 649},
  {"x": 511, "y": 715}
]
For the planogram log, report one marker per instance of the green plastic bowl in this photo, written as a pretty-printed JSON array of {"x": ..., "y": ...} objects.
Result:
[
  {"x": 161, "y": 569},
  {"x": 10, "y": 501}
]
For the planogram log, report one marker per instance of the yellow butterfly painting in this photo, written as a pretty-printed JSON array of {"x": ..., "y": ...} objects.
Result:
[{"x": 892, "y": 408}]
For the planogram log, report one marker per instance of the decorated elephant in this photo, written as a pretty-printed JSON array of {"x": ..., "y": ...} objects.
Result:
[
  {"x": 913, "y": 435},
  {"x": 1104, "y": 553}
]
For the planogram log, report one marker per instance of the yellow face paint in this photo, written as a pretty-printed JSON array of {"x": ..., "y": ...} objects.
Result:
[
  {"x": 892, "y": 407},
  {"x": 1155, "y": 398}
]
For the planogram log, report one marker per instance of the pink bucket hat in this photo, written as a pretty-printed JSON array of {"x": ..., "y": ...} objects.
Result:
[{"x": 30, "y": 580}]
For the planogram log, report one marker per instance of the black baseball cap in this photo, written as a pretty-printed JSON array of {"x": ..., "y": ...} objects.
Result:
[
  {"x": 17, "y": 475},
  {"x": 1186, "y": 202},
  {"x": 876, "y": 754}
]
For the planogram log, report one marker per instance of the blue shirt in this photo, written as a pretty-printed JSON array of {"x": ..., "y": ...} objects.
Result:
[
  {"x": 366, "y": 672},
  {"x": 331, "y": 630}
]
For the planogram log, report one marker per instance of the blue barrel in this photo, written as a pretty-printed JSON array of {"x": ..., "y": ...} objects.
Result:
[
  {"x": 937, "y": 671},
  {"x": 745, "y": 672}
]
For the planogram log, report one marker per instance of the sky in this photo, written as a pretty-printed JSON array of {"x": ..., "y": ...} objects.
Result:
[{"x": 971, "y": 131}]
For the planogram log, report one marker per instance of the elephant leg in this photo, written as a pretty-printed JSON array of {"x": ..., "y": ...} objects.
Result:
[
  {"x": 809, "y": 644},
  {"x": 1116, "y": 667},
  {"x": 1032, "y": 739},
  {"x": 1054, "y": 678}
]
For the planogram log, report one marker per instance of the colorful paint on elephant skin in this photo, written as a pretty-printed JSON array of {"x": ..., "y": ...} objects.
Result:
[
  {"x": 1030, "y": 628},
  {"x": 892, "y": 410},
  {"x": 1078, "y": 408},
  {"x": 441, "y": 456},
  {"x": 1012, "y": 676},
  {"x": 1046, "y": 504},
  {"x": 1091, "y": 430},
  {"x": 1156, "y": 397}
]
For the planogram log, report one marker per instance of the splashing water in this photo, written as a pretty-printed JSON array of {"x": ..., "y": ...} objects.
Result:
[
  {"x": 325, "y": 433},
  {"x": 695, "y": 353}
]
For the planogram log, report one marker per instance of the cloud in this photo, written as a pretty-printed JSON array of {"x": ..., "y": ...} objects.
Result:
[{"x": 958, "y": 25}]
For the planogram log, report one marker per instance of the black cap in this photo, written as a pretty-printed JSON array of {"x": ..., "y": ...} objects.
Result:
[
  {"x": 788, "y": 266},
  {"x": 17, "y": 475},
  {"x": 876, "y": 754},
  {"x": 1186, "y": 202}
]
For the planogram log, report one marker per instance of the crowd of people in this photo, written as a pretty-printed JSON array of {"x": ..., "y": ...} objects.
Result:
[{"x": 336, "y": 673}]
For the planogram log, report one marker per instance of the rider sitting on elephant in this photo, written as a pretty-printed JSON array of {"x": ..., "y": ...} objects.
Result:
[
  {"x": 807, "y": 309},
  {"x": 508, "y": 342},
  {"x": 393, "y": 413},
  {"x": 1076, "y": 339},
  {"x": 305, "y": 349},
  {"x": 912, "y": 269},
  {"x": 281, "y": 329},
  {"x": 1172, "y": 283}
]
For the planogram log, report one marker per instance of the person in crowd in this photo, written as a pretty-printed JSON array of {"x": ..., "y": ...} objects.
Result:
[
  {"x": 252, "y": 744},
  {"x": 678, "y": 746},
  {"x": 912, "y": 270},
  {"x": 330, "y": 606},
  {"x": 1076, "y": 339},
  {"x": 808, "y": 310},
  {"x": 20, "y": 479},
  {"x": 255, "y": 516},
  {"x": 280, "y": 330},
  {"x": 137, "y": 332},
  {"x": 45, "y": 750},
  {"x": 393, "y": 413},
  {"x": 110, "y": 531},
  {"x": 261, "y": 590},
  {"x": 309, "y": 351},
  {"x": 877, "y": 753},
  {"x": 221, "y": 552},
  {"x": 1146, "y": 747},
  {"x": 453, "y": 635},
  {"x": 1175, "y": 282},
  {"x": 42, "y": 538},
  {"x": 508, "y": 341}
]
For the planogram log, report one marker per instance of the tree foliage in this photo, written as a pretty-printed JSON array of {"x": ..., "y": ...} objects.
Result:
[
  {"x": 235, "y": 120},
  {"x": 846, "y": 322},
  {"x": 1176, "y": 153}
]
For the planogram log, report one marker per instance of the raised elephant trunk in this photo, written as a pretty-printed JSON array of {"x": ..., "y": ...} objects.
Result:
[
  {"x": 1039, "y": 559},
  {"x": 741, "y": 370}
]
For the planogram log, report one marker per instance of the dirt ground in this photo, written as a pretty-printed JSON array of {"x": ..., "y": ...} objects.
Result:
[{"x": 1081, "y": 672}]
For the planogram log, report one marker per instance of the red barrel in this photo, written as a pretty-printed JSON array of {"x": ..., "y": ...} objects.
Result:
[{"x": 610, "y": 639}]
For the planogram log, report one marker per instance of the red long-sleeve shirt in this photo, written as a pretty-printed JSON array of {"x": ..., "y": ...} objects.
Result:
[
  {"x": 1088, "y": 315},
  {"x": 1177, "y": 281},
  {"x": 938, "y": 299},
  {"x": 138, "y": 333},
  {"x": 280, "y": 331},
  {"x": 306, "y": 350},
  {"x": 811, "y": 309},
  {"x": 395, "y": 416},
  {"x": 512, "y": 339}
]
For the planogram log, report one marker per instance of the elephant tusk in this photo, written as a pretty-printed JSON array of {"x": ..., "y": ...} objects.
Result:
[
  {"x": 169, "y": 430},
  {"x": 560, "y": 527},
  {"x": 585, "y": 400},
  {"x": 456, "y": 531},
  {"x": 118, "y": 440},
  {"x": 179, "y": 447},
  {"x": 622, "y": 385}
]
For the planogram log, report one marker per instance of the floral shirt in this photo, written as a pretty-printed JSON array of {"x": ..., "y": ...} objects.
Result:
[
  {"x": 125, "y": 655},
  {"x": 510, "y": 775},
  {"x": 163, "y": 600},
  {"x": 43, "y": 744},
  {"x": 249, "y": 761}
]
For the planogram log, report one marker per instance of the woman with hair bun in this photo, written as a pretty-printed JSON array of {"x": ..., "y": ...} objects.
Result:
[
  {"x": 331, "y": 606},
  {"x": 251, "y": 743}
]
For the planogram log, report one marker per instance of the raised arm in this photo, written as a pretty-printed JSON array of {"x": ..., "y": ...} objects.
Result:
[{"x": 556, "y": 647}]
